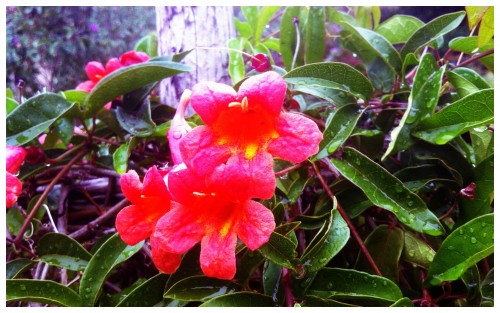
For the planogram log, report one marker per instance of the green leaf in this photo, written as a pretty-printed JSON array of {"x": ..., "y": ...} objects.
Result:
[
  {"x": 457, "y": 118},
  {"x": 146, "y": 294},
  {"x": 240, "y": 299},
  {"x": 385, "y": 246},
  {"x": 472, "y": 76},
  {"x": 388, "y": 192},
  {"x": 482, "y": 143},
  {"x": 57, "y": 243},
  {"x": 338, "y": 283},
  {"x": 483, "y": 194},
  {"x": 271, "y": 280},
  {"x": 288, "y": 35},
  {"x": 251, "y": 14},
  {"x": 263, "y": 18},
  {"x": 315, "y": 35},
  {"x": 329, "y": 240},
  {"x": 403, "y": 302},
  {"x": 41, "y": 291},
  {"x": 487, "y": 27},
  {"x": 106, "y": 258},
  {"x": 332, "y": 75},
  {"x": 338, "y": 129},
  {"x": 461, "y": 84},
  {"x": 134, "y": 114},
  {"x": 190, "y": 266},
  {"x": 64, "y": 261},
  {"x": 431, "y": 31},
  {"x": 121, "y": 155},
  {"x": 243, "y": 28},
  {"x": 272, "y": 44},
  {"x": 474, "y": 15},
  {"x": 34, "y": 117},
  {"x": 249, "y": 262},
  {"x": 313, "y": 301},
  {"x": 148, "y": 44},
  {"x": 280, "y": 250},
  {"x": 399, "y": 28},
  {"x": 468, "y": 45},
  {"x": 464, "y": 247},
  {"x": 417, "y": 251},
  {"x": 77, "y": 96},
  {"x": 236, "y": 64},
  {"x": 16, "y": 267},
  {"x": 363, "y": 16},
  {"x": 421, "y": 104},
  {"x": 130, "y": 78},
  {"x": 487, "y": 290},
  {"x": 10, "y": 105},
  {"x": 200, "y": 288}
]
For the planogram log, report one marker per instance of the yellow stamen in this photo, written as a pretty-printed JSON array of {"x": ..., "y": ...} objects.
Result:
[
  {"x": 243, "y": 104},
  {"x": 251, "y": 151}
]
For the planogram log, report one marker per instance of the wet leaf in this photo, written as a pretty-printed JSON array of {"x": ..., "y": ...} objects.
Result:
[
  {"x": 465, "y": 114},
  {"x": 313, "y": 301},
  {"x": 288, "y": 35},
  {"x": 41, "y": 291},
  {"x": 468, "y": 45},
  {"x": 399, "y": 28},
  {"x": 388, "y": 192},
  {"x": 463, "y": 86},
  {"x": 385, "y": 246},
  {"x": 236, "y": 65},
  {"x": 34, "y": 117},
  {"x": 417, "y": 251},
  {"x": 338, "y": 283},
  {"x": 263, "y": 17},
  {"x": 271, "y": 281},
  {"x": 16, "y": 267},
  {"x": 487, "y": 290},
  {"x": 315, "y": 35},
  {"x": 122, "y": 154},
  {"x": 482, "y": 143},
  {"x": 64, "y": 261},
  {"x": 403, "y": 302},
  {"x": 61, "y": 244},
  {"x": 200, "y": 288},
  {"x": 280, "y": 250},
  {"x": 240, "y": 299},
  {"x": 464, "y": 247}
]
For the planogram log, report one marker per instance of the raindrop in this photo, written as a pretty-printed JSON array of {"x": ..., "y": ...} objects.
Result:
[
  {"x": 410, "y": 203},
  {"x": 484, "y": 235},
  {"x": 451, "y": 248},
  {"x": 384, "y": 283},
  {"x": 461, "y": 231},
  {"x": 473, "y": 240},
  {"x": 398, "y": 188},
  {"x": 483, "y": 224},
  {"x": 323, "y": 260},
  {"x": 329, "y": 286},
  {"x": 411, "y": 253},
  {"x": 88, "y": 290},
  {"x": 23, "y": 287}
]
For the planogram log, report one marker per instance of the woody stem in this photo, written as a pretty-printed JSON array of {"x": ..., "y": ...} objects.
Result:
[{"x": 348, "y": 221}]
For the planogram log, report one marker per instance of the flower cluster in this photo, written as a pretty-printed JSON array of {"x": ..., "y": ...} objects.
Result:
[
  {"x": 221, "y": 167},
  {"x": 14, "y": 159}
]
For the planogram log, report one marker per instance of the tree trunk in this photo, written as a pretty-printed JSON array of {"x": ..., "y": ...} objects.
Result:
[{"x": 183, "y": 28}]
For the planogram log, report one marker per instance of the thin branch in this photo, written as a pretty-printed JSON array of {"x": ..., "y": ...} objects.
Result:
[
  {"x": 288, "y": 169},
  {"x": 353, "y": 230},
  {"x": 476, "y": 57},
  {"x": 44, "y": 195}
]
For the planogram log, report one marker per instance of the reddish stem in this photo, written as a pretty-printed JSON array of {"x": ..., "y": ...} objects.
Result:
[
  {"x": 349, "y": 223},
  {"x": 476, "y": 57},
  {"x": 288, "y": 169}
]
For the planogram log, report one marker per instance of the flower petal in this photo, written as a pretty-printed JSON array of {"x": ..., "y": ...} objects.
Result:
[
  {"x": 112, "y": 65},
  {"x": 165, "y": 261},
  {"x": 135, "y": 223},
  {"x": 13, "y": 189},
  {"x": 95, "y": 71},
  {"x": 131, "y": 186},
  {"x": 201, "y": 152},
  {"x": 243, "y": 179},
  {"x": 86, "y": 86},
  {"x": 266, "y": 90},
  {"x": 154, "y": 186},
  {"x": 299, "y": 138},
  {"x": 255, "y": 225},
  {"x": 209, "y": 99},
  {"x": 14, "y": 157},
  {"x": 179, "y": 230},
  {"x": 182, "y": 182},
  {"x": 217, "y": 257}
]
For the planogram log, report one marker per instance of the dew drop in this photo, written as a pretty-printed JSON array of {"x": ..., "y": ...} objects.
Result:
[
  {"x": 22, "y": 287},
  {"x": 483, "y": 224},
  {"x": 473, "y": 240},
  {"x": 411, "y": 253},
  {"x": 88, "y": 289},
  {"x": 484, "y": 235},
  {"x": 323, "y": 260},
  {"x": 471, "y": 230},
  {"x": 451, "y": 248},
  {"x": 410, "y": 203},
  {"x": 329, "y": 286},
  {"x": 461, "y": 231},
  {"x": 398, "y": 188},
  {"x": 384, "y": 283}
]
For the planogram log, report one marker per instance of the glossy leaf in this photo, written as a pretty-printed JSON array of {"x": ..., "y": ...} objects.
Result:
[
  {"x": 263, "y": 17},
  {"x": 60, "y": 244},
  {"x": 465, "y": 114},
  {"x": 313, "y": 301},
  {"x": 329, "y": 240},
  {"x": 130, "y": 78},
  {"x": 399, "y": 28},
  {"x": 16, "y": 267},
  {"x": 249, "y": 262},
  {"x": 482, "y": 143},
  {"x": 388, "y": 192},
  {"x": 288, "y": 35},
  {"x": 106, "y": 258},
  {"x": 338, "y": 129},
  {"x": 487, "y": 290},
  {"x": 474, "y": 15},
  {"x": 417, "y": 251},
  {"x": 431, "y": 31},
  {"x": 385, "y": 246},
  {"x": 463, "y": 86},
  {"x": 34, "y": 117},
  {"x": 338, "y": 283},
  {"x": 138, "y": 121},
  {"x": 190, "y": 266},
  {"x": 483, "y": 194},
  {"x": 403, "y": 302},
  {"x": 418, "y": 177},
  {"x": 41, "y": 291},
  {"x": 315, "y": 35},
  {"x": 487, "y": 27},
  {"x": 421, "y": 104},
  {"x": 10, "y": 105},
  {"x": 464, "y": 247},
  {"x": 146, "y": 294},
  {"x": 472, "y": 76},
  {"x": 121, "y": 155},
  {"x": 240, "y": 299},
  {"x": 148, "y": 44},
  {"x": 77, "y": 96},
  {"x": 236, "y": 65},
  {"x": 468, "y": 45},
  {"x": 271, "y": 281},
  {"x": 64, "y": 261},
  {"x": 332, "y": 75},
  {"x": 200, "y": 288},
  {"x": 280, "y": 250}
]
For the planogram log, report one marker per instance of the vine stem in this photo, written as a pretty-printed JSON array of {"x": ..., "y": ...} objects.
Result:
[
  {"x": 288, "y": 169},
  {"x": 44, "y": 195},
  {"x": 476, "y": 57},
  {"x": 348, "y": 221}
]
